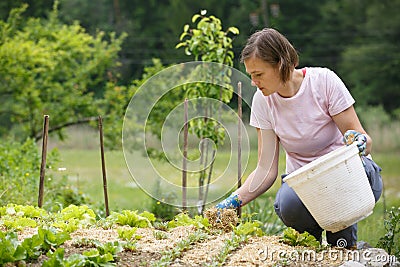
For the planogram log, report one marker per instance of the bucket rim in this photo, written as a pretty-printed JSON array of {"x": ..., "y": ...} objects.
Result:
[{"x": 346, "y": 152}]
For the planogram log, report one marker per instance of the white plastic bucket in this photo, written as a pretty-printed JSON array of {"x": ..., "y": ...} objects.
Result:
[{"x": 334, "y": 188}]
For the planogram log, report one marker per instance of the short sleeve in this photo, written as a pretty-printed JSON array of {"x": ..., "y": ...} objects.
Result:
[
  {"x": 339, "y": 97},
  {"x": 260, "y": 116}
]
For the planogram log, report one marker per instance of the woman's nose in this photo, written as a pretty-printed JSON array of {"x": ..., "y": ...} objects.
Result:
[{"x": 253, "y": 83}]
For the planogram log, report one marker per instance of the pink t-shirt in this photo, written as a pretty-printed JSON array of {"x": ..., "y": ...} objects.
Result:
[{"x": 304, "y": 122}]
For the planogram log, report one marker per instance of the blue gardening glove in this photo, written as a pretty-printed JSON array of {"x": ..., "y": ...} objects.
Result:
[
  {"x": 231, "y": 202},
  {"x": 352, "y": 136}
]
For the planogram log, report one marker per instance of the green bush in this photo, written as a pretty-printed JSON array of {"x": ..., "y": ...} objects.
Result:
[
  {"x": 390, "y": 242},
  {"x": 19, "y": 177}
]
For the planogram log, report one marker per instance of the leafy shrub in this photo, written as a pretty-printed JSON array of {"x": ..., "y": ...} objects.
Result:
[
  {"x": 47, "y": 66},
  {"x": 19, "y": 177}
]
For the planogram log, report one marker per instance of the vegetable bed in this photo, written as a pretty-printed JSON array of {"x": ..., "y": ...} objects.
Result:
[{"x": 74, "y": 237}]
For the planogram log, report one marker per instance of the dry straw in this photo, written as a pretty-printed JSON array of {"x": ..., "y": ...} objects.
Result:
[{"x": 224, "y": 219}]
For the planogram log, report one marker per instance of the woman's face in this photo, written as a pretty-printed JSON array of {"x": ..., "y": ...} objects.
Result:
[{"x": 263, "y": 75}]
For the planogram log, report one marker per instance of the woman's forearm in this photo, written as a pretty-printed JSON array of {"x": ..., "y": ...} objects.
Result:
[{"x": 259, "y": 181}]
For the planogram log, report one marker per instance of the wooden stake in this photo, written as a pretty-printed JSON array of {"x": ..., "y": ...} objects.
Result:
[
  {"x": 239, "y": 210},
  {"x": 103, "y": 166},
  {"x": 43, "y": 164},
  {"x": 208, "y": 181},
  {"x": 184, "y": 163}
]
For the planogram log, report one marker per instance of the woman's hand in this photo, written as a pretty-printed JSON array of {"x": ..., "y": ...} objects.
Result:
[
  {"x": 231, "y": 202},
  {"x": 352, "y": 136},
  {"x": 348, "y": 119}
]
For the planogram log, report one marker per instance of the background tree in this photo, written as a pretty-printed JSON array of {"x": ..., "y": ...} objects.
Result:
[
  {"x": 334, "y": 34},
  {"x": 371, "y": 63},
  {"x": 35, "y": 8},
  {"x": 47, "y": 67},
  {"x": 208, "y": 42}
]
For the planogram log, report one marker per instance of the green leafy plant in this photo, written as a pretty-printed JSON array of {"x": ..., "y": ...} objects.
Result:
[
  {"x": 44, "y": 241},
  {"x": 128, "y": 234},
  {"x": 248, "y": 229},
  {"x": 103, "y": 255},
  {"x": 112, "y": 248},
  {"x": 160, "y": 235},
  {"x": 74, "y": 217},
  {"x": 17, "y": 223},
  {"x": 208, "y": 42},
  {"x": 391, "y": 240},
  {"x": 10, "y": 250},
  {"x": 88, "y": 258},
  {"x": 84, "y": 242},
  {"x": 170, "y": 255},
  {"x": 294, "y": 238},
  {"x": 82, "y": 213},
  {"x": 183, "y": 219},
  {"x": 56, "y": 259},
  {"x": 17, "y": 217},
  {"x": 95, "y": 258},
  {"x": 23, "y": 210},
  {"x": 69, "y": 219},
  {"x": 241, "y": 234},
  {"x": 163, "y": 226},
  {"x": 132, "y": 218},
  {"x": 229, "y": 245},
  {"x": 261, "y": 209},
  {"x": 129, "y": 246}
]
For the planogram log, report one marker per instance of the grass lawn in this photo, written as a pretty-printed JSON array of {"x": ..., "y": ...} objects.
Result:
[{"x": 83, "y": 168}]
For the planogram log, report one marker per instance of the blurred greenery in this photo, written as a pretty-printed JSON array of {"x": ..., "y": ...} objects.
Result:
[
  {"x": 47, "y": 67},
  {"x": 19, "y": 177},
  {"x": 357, "y": 39}
]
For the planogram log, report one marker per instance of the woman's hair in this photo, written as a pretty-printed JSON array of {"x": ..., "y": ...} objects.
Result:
[{"x": 272, "y": 47}]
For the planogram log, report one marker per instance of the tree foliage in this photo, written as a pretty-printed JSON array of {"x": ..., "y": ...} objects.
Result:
[
  {"x": 47, "y": 67},
  {"x": 356, "y": 39},
  {"x": 372, "y": 62},
  {"x": 208, "y": 42}
]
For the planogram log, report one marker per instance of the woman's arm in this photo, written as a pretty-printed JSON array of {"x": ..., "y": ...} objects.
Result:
[
  {"x": 348, "y": 120},
  {"x": 263, "y": 177}
]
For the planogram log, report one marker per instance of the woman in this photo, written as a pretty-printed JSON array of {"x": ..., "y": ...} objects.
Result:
[{"x": 309, "y": 112}]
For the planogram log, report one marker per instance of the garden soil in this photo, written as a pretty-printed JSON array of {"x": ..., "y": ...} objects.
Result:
[{"x": 257, "y": 251}]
